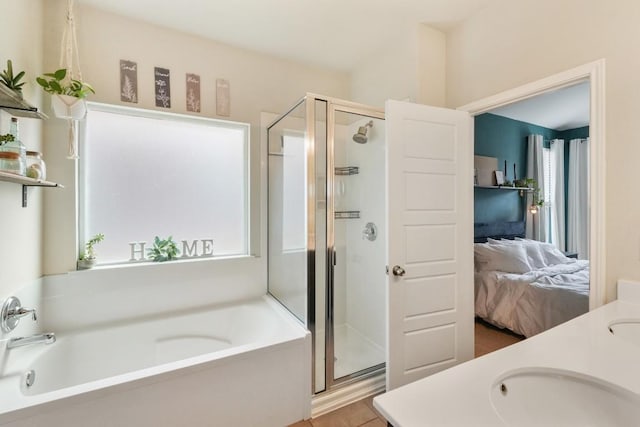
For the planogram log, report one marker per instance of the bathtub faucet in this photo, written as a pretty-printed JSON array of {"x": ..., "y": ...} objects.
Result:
[
  {"x": 11, "y": 313},
  {"x": 48, "y": 338}
]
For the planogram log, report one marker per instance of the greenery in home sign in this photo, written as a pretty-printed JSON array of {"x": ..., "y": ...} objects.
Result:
[
  {"x": 163, "y": 250},
  {"x": 54, "y": 84}
]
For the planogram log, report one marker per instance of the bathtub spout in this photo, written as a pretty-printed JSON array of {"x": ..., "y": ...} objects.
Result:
[{"x": 48, "y": 338}]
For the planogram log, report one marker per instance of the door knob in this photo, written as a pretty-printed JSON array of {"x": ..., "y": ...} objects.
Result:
[{"x": 398, "y": 271}]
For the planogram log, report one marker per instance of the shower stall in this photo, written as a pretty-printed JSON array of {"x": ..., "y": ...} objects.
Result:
[{"x": 327, "y": 249}]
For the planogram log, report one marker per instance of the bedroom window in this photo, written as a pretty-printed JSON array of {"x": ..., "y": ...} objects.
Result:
[
  {"x": 550, "y": 185},
  {"x": 148, "y": 173}
]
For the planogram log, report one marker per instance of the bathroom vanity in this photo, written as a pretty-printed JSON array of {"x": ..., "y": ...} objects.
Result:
[{"x": 583, "y": 372}]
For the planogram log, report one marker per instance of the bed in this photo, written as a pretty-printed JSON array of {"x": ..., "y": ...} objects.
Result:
[{"x": 524, "y": 285}]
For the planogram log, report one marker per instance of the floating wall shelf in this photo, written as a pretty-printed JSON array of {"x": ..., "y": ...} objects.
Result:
[
  {"x": 26, "y": 182},
  {"x": 16, "y": 106},
  {"x": 503, "y": 187}
]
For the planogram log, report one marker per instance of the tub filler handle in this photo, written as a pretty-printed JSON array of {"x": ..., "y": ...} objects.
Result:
[{"x": 11, "y": 313}]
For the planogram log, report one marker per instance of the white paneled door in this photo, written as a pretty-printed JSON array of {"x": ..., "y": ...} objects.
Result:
[{"x": 430, "y": 244}]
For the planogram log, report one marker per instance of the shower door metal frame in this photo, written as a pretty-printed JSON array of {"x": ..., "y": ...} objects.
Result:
[{"x": 334, "y": 106}]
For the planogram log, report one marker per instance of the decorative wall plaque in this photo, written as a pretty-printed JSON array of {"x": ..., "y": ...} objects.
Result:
[
  {"x": 193, "y": 93},
  {"x": 128, "y": 81},
  {"x": 163, "y": 87},
  {"x": 223, "y": 98}
]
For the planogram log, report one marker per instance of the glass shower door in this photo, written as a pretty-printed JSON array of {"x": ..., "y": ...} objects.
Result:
[
  {"x": 297, "y": 206},
  {"x": 356, "y": 233}
]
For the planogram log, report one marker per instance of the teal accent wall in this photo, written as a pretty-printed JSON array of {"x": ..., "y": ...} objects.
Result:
[{"x": 505, "y": 139}]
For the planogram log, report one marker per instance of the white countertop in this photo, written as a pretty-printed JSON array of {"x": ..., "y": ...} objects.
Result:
[{"x": 461, "y": 396}]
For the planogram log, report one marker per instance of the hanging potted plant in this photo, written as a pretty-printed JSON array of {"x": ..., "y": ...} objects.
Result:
[{"x": 68, "y": 94}]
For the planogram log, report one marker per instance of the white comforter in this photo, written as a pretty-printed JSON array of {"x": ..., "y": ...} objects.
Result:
[{"x": 532, "y": 302}]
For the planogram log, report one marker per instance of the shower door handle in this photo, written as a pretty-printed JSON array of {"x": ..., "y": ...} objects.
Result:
[{"x": 398, "y": 271}]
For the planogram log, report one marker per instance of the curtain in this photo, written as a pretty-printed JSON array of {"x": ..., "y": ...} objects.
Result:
[
  {"x": 557, "y": 203},
  {"x": 536, "y": 223},
  {"x": 578, "y": 198}
]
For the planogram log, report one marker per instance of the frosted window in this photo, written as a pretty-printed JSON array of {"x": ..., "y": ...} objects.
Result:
[
  {"x": 147, "y": 174},
  {"x": 294, "y": 197}
]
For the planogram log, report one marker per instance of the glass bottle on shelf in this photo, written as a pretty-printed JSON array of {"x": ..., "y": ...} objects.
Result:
[
  {"x": 13, "y": 155},
  {"x": 36, "y": 167}
]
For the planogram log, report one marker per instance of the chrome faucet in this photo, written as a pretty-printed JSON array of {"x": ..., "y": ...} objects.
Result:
[
  {"x": 11, "y": 313},
  {"x": 48, "y": 338}
]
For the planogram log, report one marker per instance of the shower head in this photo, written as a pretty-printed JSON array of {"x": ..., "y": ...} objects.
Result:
[{"x": 361, "y": 136}]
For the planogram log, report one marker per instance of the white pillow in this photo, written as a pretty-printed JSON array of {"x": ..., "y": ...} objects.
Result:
[
  {"x": 551, "y": 254},
  {"x": 508, "y": 258},
  {"x": 534, "y": 254}
]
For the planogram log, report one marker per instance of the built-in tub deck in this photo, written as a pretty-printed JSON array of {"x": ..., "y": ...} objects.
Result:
[{"x": 201, "y": 365}]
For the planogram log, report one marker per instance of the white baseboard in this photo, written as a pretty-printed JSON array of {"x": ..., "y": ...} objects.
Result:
[{"x": 332, "y": 400}]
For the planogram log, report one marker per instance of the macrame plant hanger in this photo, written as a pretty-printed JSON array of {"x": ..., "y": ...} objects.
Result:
[{"x": 69, "y": 59}]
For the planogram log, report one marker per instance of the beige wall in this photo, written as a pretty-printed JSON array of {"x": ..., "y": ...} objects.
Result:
[
  {"x": 258, "y": 83},
  {"x": 411, "y": 66},
  {"x": 513, "y": 43},
  {"x": 21, "y": 228}
]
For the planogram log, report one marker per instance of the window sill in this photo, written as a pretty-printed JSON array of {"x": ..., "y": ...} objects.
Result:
[{"x": 179, "y": 261}]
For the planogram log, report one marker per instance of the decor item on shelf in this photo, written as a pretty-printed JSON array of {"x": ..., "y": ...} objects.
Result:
[
  {"x": 12, "y": 81},
  {"x": 499, "y": 177},
  {"x": 163, "y": 250},
  {"x": 87, "y": 258},
  {"x": 13, "y": 153},
  {"x": 36, "y": 167},
  {"x": 536, "y": 201},
  {"x": 7, "y": 137}
]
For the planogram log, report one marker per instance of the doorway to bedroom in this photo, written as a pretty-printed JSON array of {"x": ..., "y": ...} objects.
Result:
[{"x": 531, "y": 215}]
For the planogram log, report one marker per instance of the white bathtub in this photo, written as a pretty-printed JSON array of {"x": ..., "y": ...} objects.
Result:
[{"x": 246, "y": 364}]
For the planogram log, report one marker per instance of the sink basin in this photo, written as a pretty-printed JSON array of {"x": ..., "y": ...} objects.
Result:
[
  {"x": 626, "y": 329},
  {"x": 556, "y": 397}
]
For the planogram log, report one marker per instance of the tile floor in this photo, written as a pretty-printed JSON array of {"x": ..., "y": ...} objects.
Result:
[
  {"x": 358, "y": 414},
  {"x": 362, "y": 413}
]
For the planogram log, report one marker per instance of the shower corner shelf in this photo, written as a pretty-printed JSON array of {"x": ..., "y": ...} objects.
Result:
[
  {"x": 348, "y": 170},
  {"x": 347, "y": 215}
]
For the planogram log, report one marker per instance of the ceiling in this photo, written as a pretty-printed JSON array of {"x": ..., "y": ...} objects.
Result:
[
  {"x": 332, "y": 33},
  {"x": 561, "y": 109}
]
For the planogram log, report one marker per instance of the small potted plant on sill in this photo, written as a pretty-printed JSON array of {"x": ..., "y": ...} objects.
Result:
[
  {"x": 12, "y": 81},
  {"x": 68, "y": 94},
  {"x": 163, "y": 250},
  {"x": 87, "y": 258}
]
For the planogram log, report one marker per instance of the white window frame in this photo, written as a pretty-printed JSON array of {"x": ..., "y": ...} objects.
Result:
[{"x": 81, "y": 209}]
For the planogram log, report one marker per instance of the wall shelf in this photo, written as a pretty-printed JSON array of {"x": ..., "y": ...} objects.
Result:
[
  {"x": 503, "y": 187},
  {"x": 16, "y": 106},
  {"x": 26, "y": 182}
]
